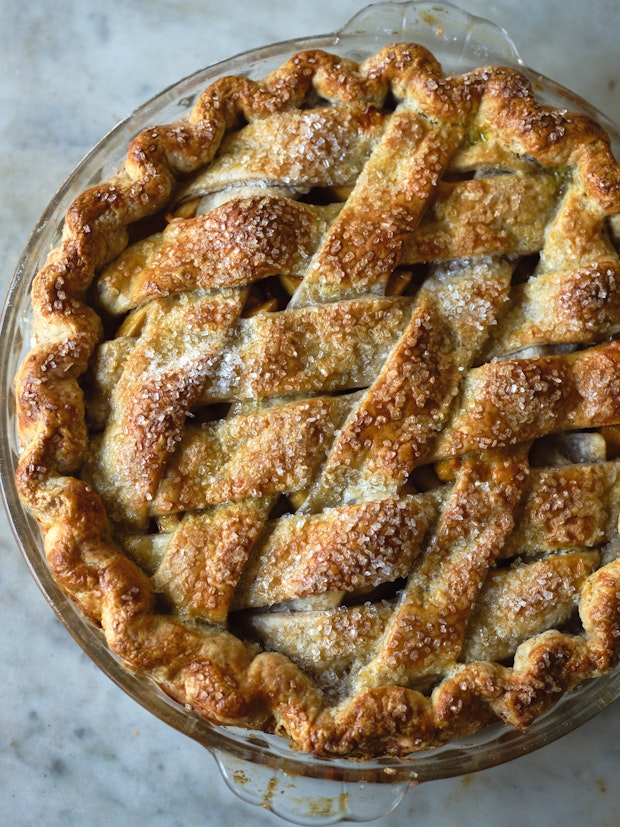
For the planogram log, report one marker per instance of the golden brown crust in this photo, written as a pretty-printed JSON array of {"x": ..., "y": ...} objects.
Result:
[
  {"x": 227, "y": 247},
  {"x": 269, "y": 364}
]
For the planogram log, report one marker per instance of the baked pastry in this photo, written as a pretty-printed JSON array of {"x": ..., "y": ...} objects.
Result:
[{"x": 321, "y": 423}]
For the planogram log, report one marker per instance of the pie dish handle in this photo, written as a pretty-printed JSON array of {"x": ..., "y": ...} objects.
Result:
[
  {"x": 468, "y": 39},
  {"x": 306, "y": 800}
]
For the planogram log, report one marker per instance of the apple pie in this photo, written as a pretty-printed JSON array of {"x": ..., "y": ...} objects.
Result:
[{"x": 321, "y": 418}]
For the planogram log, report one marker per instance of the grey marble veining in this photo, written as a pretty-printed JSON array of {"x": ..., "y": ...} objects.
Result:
[{"x": 74, "y": 749}]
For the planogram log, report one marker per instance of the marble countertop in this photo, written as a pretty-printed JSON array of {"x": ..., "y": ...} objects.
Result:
[{"x": 74, "y": 749}]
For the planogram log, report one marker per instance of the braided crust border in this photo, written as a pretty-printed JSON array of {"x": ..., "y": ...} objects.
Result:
[{"x": 211, "y": 671}]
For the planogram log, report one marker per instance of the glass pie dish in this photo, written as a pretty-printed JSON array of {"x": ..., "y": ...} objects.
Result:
[{"x": 261, "y": 768}]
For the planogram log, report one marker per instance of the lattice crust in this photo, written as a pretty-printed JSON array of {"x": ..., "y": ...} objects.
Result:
[{"x": 334, "y": 451}]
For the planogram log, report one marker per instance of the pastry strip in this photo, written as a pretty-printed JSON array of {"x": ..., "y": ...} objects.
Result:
[
  {"x": 516, "y": 604},
  {"x": 504, "y": 215},
  {"x": 568, "y": 507},
  {"x": 561, "y": 307},
  {"x": 517, "y": 400},
  {"x": 427, "y": 629},
  {"x": 270, "y": 451},
  {"x": 206, "y": 557},
  {"x": 322, "y": 147},
  {"x": 353, "y": 548},
  {"x": 344, "y": 346},
  {"x": 233, "y": 245}
]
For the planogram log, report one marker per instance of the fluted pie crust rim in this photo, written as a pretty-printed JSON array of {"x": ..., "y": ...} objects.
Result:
[{"x": 395, "y": 108}]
